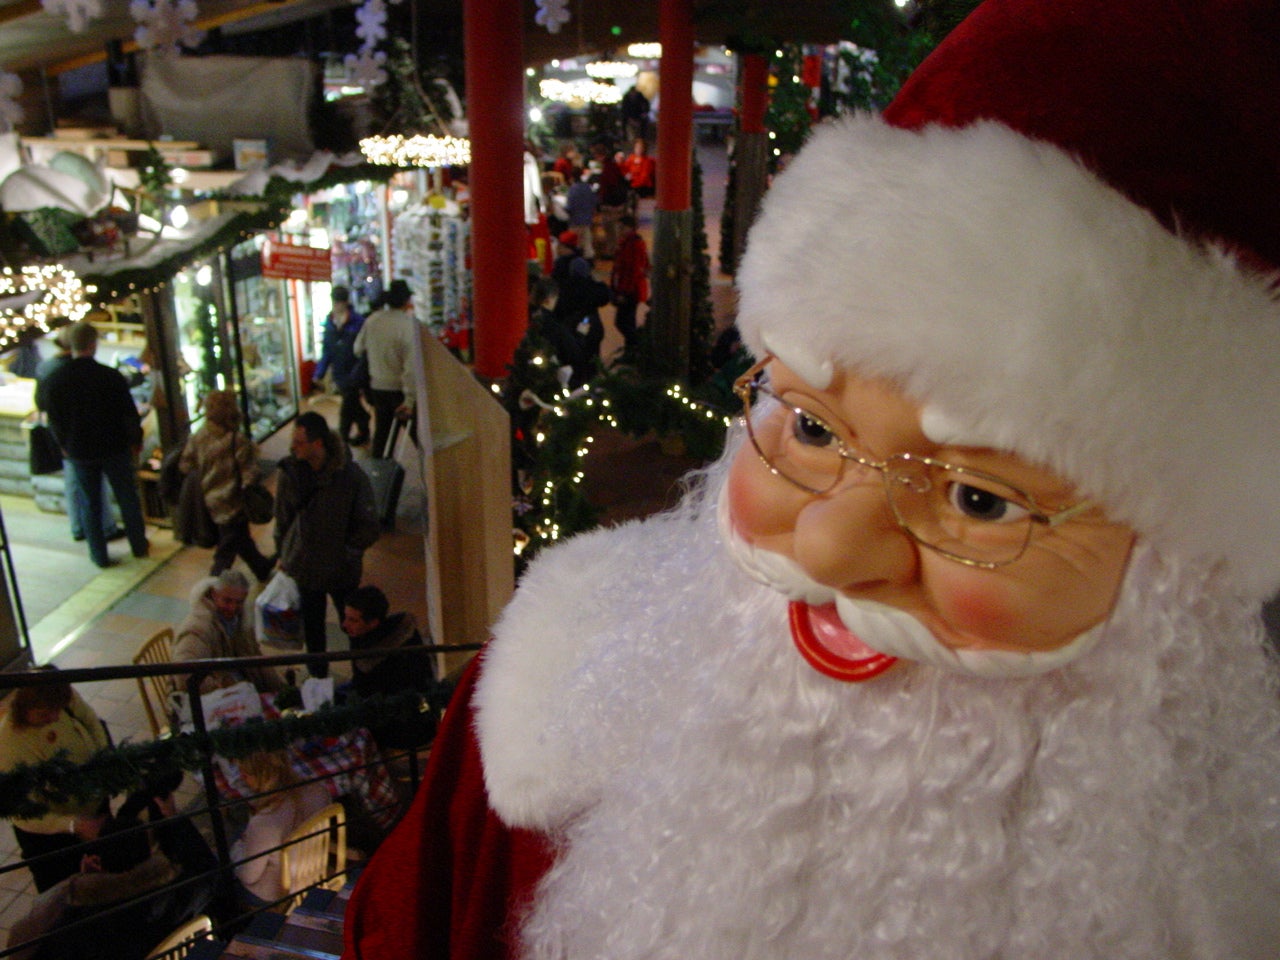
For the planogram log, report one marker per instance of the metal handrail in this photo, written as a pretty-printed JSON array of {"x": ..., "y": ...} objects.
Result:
[
  {"x": 195, "y": 671},
  {"x": 35, "y": 678}
]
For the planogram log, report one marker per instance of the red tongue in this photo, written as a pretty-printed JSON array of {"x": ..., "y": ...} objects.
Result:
[{"x": 829, "y": 647}]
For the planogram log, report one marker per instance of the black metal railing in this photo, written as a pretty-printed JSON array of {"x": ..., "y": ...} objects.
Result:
[{"x": 220, "y": 879}]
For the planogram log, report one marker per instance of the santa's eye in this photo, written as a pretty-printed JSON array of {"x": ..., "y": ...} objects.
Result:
[
  {"x": 979, "y": 503},
  {"x": 810, "y": 430}
]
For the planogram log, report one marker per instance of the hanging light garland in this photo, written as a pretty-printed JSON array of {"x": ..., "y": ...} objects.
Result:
[
  {"x": 645, "y": 51},
  {"x": 61, "y": 294},
  {"x": 611, "y": 69},
  {"x": 417, "y": 151},
  {"x": 584, "y": 91}
]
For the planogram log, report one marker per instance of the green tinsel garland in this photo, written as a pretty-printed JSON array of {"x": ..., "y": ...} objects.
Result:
[
  {"x": 28, "y": 790},
  {"x": 272, "y": 209},
  {"x": 112, "y": 287}
]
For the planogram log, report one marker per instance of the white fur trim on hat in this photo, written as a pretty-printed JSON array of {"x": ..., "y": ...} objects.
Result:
[{"x": 1036, "y": 309}]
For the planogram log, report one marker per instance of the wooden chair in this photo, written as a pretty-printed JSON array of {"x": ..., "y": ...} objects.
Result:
[
  {"x": 316, "y": 851},
  {"x": 155, "y": 690},
  {"x": 179, "y": 943}
]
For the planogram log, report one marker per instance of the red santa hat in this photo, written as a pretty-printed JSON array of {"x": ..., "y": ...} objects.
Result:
[{"x": 1063, "y": 239}]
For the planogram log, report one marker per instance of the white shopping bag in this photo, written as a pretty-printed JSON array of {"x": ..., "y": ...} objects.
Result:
[
  {"x": 316, "y": 692},
  {"x": 231, "y": 706},
  {"x": 277, "y": 613}
]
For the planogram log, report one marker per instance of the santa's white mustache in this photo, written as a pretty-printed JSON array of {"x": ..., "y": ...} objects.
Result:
[{"x": 889, "y": 630}]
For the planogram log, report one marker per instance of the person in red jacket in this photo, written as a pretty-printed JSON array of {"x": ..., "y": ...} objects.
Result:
[
  {"x": 629, "y": 281},
  {"x": 639, "y": 169}
]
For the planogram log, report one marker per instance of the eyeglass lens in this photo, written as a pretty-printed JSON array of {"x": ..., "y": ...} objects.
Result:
[{"x": 966, "y": 515}]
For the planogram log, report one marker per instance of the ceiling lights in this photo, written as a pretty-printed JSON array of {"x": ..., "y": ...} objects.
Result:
[
  {"x": 611, "y": 69},
  {"x": 417, "y": 151},
  {"x": 581, "y": 91}
]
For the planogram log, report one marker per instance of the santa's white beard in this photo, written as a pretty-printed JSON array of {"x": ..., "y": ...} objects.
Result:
[{"x": 1121, "y": 807}]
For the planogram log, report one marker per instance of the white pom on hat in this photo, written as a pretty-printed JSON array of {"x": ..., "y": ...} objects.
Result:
[{"x": 1028, "y": 246}]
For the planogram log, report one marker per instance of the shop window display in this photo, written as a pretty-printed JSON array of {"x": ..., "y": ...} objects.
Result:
[
  {"x": 266, "y": 348},
  {"x": 205, "y": 360}
]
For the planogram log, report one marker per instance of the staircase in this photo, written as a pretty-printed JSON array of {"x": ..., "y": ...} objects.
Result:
[{"x": 311, "y": 931}]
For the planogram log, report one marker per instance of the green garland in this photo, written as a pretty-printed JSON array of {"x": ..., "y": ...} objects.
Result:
[
  {"x": 555, "y": 432},
  {"x": 111, "y": 287},
  {"x": 29, "y": 789},
  {"x": 271, "y": 210},
  {"x": 703, "y": 322}
]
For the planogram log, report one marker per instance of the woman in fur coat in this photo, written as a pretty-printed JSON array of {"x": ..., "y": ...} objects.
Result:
[{"x": 227, "y": 462}]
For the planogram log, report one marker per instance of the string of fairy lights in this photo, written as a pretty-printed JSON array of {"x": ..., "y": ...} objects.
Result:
[
  {"x": 40, "y": 296},
  {"x": 55, "y": 292},
  {"x": 586, "y": 410},
  {"x": 417, "y": 151}
]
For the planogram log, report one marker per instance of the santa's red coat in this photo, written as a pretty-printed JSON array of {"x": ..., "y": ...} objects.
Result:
[{"x": 451, "y": 877}]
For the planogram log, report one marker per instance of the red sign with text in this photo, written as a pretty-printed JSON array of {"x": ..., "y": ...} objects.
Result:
[{"x": 292, "y": 261}]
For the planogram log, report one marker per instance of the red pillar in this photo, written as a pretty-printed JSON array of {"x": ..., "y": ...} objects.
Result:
[
  {"x": 675, "y": 109},
  {"x": 493, "y": 47},
  {"x": 668, "y": 321},
  {"x": 751, "y": 153},
  {"x": 755, "y": 92}
]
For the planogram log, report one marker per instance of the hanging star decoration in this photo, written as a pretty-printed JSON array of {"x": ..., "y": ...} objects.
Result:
[
  {"x": 10, "y": 110},
  {"x": 552, "y": 14},
  {"x": 78, "y": 13},
  {"x": 164, "y": 24}
]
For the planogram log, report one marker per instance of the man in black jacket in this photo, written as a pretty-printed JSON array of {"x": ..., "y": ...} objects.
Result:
[
  {"x": 325, "y": 520},
  {"x": 93, "y": 417},
  {"x": 366, "y": 620}
]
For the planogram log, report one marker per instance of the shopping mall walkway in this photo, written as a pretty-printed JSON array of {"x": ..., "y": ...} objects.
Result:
[
  {"x": 103, "y": 617},
  {"x": 104, "y": 622}
]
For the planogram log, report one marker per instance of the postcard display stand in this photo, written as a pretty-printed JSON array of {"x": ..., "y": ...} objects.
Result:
[{"x": 429, "y": 249}]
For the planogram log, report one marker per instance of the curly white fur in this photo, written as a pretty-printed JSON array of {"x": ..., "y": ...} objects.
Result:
[{"x": 714, "y": 797}]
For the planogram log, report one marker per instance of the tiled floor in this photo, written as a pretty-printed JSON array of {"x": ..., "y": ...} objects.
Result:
[{"x": 106, "y": 620}]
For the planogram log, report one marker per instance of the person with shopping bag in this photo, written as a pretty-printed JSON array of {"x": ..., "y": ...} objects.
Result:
[
  {"x": 325, "y": 520},
  {"x": 226, "y": 461},
  {"x": 218, "y": 626}
]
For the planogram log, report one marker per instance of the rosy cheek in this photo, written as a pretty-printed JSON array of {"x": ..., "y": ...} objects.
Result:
[
  {"x": 980, "y": 614},
  {"x": 754, "y": 505}
]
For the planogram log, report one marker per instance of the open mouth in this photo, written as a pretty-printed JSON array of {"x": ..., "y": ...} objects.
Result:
[{"x": 830, "y": 648}]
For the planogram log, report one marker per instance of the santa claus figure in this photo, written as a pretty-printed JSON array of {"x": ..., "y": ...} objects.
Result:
[{"x": 957, "y": 652}]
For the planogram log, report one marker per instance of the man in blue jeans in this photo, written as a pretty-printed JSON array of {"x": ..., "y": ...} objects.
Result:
[
  {"x": 74, "y": 509},
  {"x": 93, "y": 417}
]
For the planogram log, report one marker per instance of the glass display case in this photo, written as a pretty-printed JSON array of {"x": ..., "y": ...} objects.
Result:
[
  {"x": 266, "y": 345},
  {"x": 204, "y": 333}
]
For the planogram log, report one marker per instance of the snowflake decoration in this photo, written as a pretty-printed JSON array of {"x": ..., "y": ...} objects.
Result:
[
  {"x": 77, "y": 12},
  {"x": 10, "y": 91},
  {"x": 372, "y": 20},
  {"x": 552, "y": 14},
  {"x": 366, "y": 68},
  {"x": 164, "y": 24}
]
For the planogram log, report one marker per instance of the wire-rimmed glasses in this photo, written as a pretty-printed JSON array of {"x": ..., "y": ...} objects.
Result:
[{"x": 966, "y": 515}]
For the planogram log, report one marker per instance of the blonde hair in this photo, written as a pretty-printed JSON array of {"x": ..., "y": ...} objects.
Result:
[
  {"x": 220, "y": 407},
  {"x": 269, "y": 771}
]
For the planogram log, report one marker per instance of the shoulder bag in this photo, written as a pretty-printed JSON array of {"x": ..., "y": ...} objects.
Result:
[
  {"x": 259, "y": 504},
  {"x": 45, "y": 454}
]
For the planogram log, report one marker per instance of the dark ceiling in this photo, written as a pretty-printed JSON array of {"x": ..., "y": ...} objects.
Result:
[{"x": 31, "y": 39}]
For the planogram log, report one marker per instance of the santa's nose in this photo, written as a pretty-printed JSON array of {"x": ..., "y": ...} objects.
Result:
[{"x": 850, "y": 539}]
